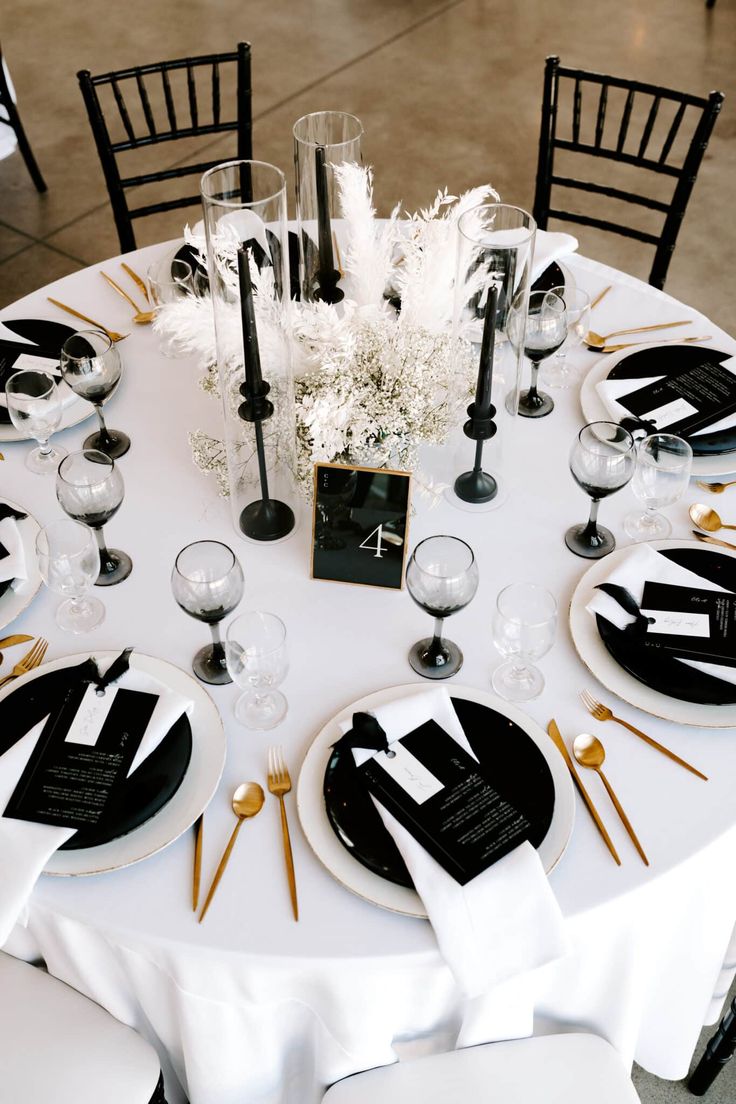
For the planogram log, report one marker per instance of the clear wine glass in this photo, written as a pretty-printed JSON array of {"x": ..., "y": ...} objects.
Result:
[
  {"x": 661, "y": 476},
  {"x": 255, "y": 647},
  {"x": 207, "y": 583},
  {"x": 602, "y": 462},
  {"x": 556, "y": 372},
  {"x": 169, "y": 282},
  {"x": 34, "y": 406},
  {"x": 524, "y": 625},
  {"x": 442, "y": 578},
  {"x": 543, "y": 331},
  {"x": 69, "y": 561},
  {"x": 90, "y": 489},
  {"x": 91, "y": 366}
]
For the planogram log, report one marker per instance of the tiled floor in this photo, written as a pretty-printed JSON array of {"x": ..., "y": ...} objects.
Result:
[{"x": 448, "y": 91}]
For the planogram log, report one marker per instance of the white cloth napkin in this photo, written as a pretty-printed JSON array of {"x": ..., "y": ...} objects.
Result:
[
  {"x": 549, "y": 246},
  {"x": 642, "y": 564},
  {"x": 13, "y": 566},
  {"x": 610, "y": 391},
  {"x": 26, "y": 847},
  {"x": 503, "y": 922}
]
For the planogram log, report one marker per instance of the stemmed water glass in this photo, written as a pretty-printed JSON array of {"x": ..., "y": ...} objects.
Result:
[
  {"x": 543, "y": 330},
  {"x": 255, "y": 646},
  {"x": 557, "y": 371},
  {"x": 207, "y": 583},
  {"x": 661, "y": 476},
  {"x": 524, "y": 624},
  {"x": 34, "y": 406},
  {"x": 68, "y": 561},
  {"x": 442, "y": 578},
  {"x": 90, "y": 489},
  {"x": 602, "y": 462},
  {"x": 91, "y": 366}
]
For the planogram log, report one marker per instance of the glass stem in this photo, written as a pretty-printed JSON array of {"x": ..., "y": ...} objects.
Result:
[
  {"x": 535, "y": 376},
  {"x": 218, "y": 650},
  {"x": 439, "y": 623},
  {"x": 44, "y": 448},
  {"x": 106, "y": 438},
  {"x": 591, "y": 529},
  {"x": 107, "y": 564}
]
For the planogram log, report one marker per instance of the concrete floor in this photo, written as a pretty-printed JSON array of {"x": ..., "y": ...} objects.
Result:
[{"x": 449, "y": 94}]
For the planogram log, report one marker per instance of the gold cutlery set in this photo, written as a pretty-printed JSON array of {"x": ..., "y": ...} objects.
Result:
[
  {"x": 32, "y": 658},
  {"x": 589, "y": 752},
  {"x": 140, "y": 316},
  {"x": 247, "y": 802}
]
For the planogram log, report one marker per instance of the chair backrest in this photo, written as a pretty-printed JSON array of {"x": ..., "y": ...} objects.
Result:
[
  {"x": 164, "y": 102},
  {"x": 639, "y": 127}
]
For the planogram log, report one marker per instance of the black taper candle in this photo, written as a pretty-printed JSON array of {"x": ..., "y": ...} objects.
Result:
[
  {"x": 487, "y": 349},
  {"x": 327, "y": 275},
  {"x": 476, "y": 485},
  {"x": 251, "y": 352}
]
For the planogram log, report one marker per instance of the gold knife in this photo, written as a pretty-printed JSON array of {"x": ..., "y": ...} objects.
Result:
[
  {"x": 198, "y": 834},
  {"x": 600, "y": 295},
  {"x": 9, "y": 641},
  {"x": 554, "y": 732},
  {"x": 136, "y": 279},
  {"x": 713, "y": 540}
]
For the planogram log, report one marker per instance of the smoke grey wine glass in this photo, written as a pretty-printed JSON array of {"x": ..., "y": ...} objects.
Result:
[
  {"x": 90, "y": 489},
  {"x": 541, "y": 333},
  {"x": 207, "y": 583},
  {"x": 602, "y": 462},
  {"x": 442, "y": 578},
  {"x": 91, "y": 365}
]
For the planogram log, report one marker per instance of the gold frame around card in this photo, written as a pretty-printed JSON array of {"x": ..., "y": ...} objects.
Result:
[{"x": 376, "y": 471}]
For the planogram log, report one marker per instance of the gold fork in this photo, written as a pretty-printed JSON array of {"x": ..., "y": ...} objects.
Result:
[
  {"x": 279, "y": 783},
  {"x": 603, "y": 713},
  {"x": 714, "y": 488},
  {"x": 112, "y": 334},
  {"x": 30, "y": 660}
]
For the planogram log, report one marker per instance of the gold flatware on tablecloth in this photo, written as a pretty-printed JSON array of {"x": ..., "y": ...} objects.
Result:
[
  {"x": 601, "y": 712},
  {"x": 598, "y": 340},
  {"x": 707, "y": 518},
  {"x": 712, "y": 540},
  {"x": 11, "y": 641},
  {"x": 141, "y": 317},
  {"x": 641, "y": 344},
  {"x": 112, "y": 334},
  {"x": 197, "y": 871},
  {"x": 279, "y": 783},
  {"x": 30, "y": 660},
  {"x": 590, "y": 753},
  {"x": 601, "y": 295},
  {"x": 247, "y": 802},
  {"x": 554, "y": 732},
  {"x": 714, "y": 488},
  {"x": 141, "y": 284}
]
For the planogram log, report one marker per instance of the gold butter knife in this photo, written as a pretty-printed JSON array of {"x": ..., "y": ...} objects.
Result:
[
  {"x": 554, "y": 732},
  {"x": 9, "y": 641},
  {"x": 136, "y": 279},
  {"x": 197, "y": 873},
  {"x": 713, "y": 540}
]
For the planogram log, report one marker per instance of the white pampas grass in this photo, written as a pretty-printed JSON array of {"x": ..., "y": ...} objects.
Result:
[{"x": 368, "y": 244}]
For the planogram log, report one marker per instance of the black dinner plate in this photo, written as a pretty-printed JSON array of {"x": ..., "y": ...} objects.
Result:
[
  {"x": 142, "y": 795},
  {"x": 510, "y": 758},
  {"x": 670, "y": 359},
  {"x": 552, "y": 277},
  {"x": 662, "y": 671},
  {"x": 47, "y": 337}
]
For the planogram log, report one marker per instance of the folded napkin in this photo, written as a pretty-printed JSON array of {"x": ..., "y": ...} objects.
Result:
[
  {"x": 642, "y": 564},
  {"x": 501, "y": 923},
  {"x": 550, "y": 246},
  {"x": 611, "y": 390},
  {"x": 26, "y": 847},
  {"x": 13, "y": 563}
]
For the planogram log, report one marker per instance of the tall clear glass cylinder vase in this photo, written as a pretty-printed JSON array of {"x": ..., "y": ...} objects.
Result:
[
  {"x": 321, "y": 140},
  {"x": 244, "y": 205},
  {"x": 495, "y": 249}
]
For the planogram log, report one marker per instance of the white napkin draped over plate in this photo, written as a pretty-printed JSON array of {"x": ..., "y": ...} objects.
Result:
[
  {"x": 13, "y": 566},
  {"x": 503, "y": 922},
  {"x": 26, "y": 847},
  {"x": 550, "y": 246},
  {"x": 642, "y": 564}
]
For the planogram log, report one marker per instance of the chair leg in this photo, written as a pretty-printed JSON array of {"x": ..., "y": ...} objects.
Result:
[
  {"x": 718, "y": 1052},
  {"x": 25, "y": 147}
]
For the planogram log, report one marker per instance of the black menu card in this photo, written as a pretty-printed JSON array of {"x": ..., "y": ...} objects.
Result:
[
  {"x": 687, "y": 401},
  {"x": 695, "y": 623},
  {"x": 17, "y": 357},
  {"x": 440, "y": 795},
  {"x": 82, "y": 757}
]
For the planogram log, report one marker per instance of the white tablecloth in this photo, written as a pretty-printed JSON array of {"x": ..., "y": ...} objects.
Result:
[{"x": 251, "y": 1007}]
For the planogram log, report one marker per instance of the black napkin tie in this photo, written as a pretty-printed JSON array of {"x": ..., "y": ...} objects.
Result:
[
  {"x": 116, "y": 670},
  {"x": 628, "y": 603},
  {"x": 366, "y": 733}
]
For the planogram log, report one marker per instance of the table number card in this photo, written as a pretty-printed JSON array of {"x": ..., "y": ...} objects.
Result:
[{"x": 360, "y": 525}]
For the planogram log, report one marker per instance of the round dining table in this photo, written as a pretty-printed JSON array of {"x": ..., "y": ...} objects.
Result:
[{"x": 253, "y": 1007}]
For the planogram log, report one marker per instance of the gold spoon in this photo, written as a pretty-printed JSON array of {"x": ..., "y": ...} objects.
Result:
[
  {"x": 707, "y": 518},
  {"x": 590, "y": 752},
  {"x": 247, "y": 802},
  {"x": 141, "y": 317},
  {"x": 714, "y": 488},
  {"x": 598, "y": 340}
]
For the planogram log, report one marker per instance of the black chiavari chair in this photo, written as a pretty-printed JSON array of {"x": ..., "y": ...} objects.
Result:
[
  {"x": 7, "y": 104},
  {"x": 161, "y": 103},
  {"x": 658, "y": 132}
]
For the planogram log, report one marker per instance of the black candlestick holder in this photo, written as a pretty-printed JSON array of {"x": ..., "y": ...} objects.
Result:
[
  {"x": 265, "y": 519},
  {"x": 477, "y": 486}
]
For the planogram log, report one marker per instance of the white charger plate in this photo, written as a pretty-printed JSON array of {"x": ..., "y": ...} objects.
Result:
[
  {"x": 13, "y": 602},
  {"x": 604, "y": 667},
  {"x": 193, "y": 795},
  {"x": 363, "y": 882},
  {"x": 595, "y": 410}
]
